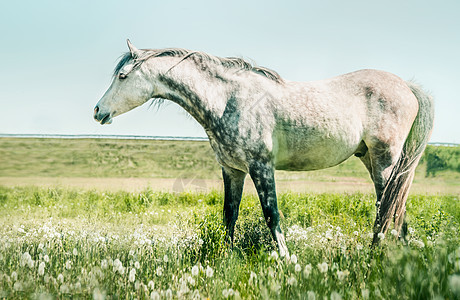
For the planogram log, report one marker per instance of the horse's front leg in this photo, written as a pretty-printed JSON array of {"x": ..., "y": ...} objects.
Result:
[
  {"x": 233, "y": 186},
  {"x": 263, "y": 175}
]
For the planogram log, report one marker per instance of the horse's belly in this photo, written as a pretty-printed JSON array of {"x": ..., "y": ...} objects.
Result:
[{"x": 312, "y": 154}]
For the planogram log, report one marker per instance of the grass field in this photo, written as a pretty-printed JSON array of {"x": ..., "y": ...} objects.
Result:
[{"x": 87, "y": 242}]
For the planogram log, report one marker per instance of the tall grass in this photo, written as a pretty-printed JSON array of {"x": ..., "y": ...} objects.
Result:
[{"x": 68, "y": 243}]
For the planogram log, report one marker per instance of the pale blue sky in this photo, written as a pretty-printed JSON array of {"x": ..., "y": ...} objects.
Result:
[{"x": 58, "y": 56}]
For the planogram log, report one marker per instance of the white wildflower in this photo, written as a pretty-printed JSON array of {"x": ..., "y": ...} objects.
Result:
[
  {"x": 68, "y": 265},
  {"x": 297, "y": 268},
  {"x": 209, "y": 271},
  {"x": 341, "y": 275},
  {"x": 137, "y": 265},
  {"x": 14, "y": 276},
  {"x": 191, "y": 281},
  {"x": 40, "y": 246},
  {"x": 165, "y": 258},
  {"x": 159, "y": 271},
  {"x": 104, "y": 264},
  {"x": 411, "y": 230},
  {"x": 417, "y": 243},
  {"x": 46, "y": 258},
  {"x": 365, "y": 293},
  {"x": 394, "y": 233},
  {"x": 307, "y": 270},
  {"x": 132, "y": 275},
  {"x": 335, "y": 296},
  {"x": 311, "y": 295},
  {"x": 294, "y": 258},
  {"x": 359, "y": 247},
  {"x": 381, "y": 236},
  {"x": 60, "y": 278},
  {"x": 17, "y": 286},
  {"x": 454, "y": 283},
  {"x": 168, "y": 294},
  {"x": 195, "y": 270},
  {"x": 200, "y": 242},
  {"x": 252, "y": 278},
  {"x": 323, "y": 267},
  {"x": 64, "y": 289},
  {"x": 225, "y": 293},
  {"x": 154, "y": 295},
  {"x": 41, "y": 269},
  {"x": 75, "y": 251},
  {"x": 274, "y": 255},
  {"x": 151, "y": 285},
  {"x": 98, "y": 294},
  {"x": 25, "y": 258},
  {"x": 292, "y": 281}
]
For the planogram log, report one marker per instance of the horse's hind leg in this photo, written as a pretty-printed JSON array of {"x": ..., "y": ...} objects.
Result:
[
  {"x": 263, "y": 176},
  {"x": 233, "y": 186},
  {"x": 380, "y": 161}
]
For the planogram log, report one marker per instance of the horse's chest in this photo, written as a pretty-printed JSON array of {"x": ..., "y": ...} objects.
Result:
[{"x": 230, "y": 155}]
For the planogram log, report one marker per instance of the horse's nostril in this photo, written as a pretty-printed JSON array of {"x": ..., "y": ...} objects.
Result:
[{"x": 96, "y": 109}]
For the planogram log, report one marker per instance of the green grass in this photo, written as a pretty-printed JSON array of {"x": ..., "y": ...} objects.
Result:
[
  {"x": 34, "y": 157},
  {"x": 58, "y": 242}
]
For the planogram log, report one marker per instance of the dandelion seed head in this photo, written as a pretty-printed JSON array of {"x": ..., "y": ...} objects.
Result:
[
  {"x": 75, "y": 251},
  {"x": 454, "y": 283},
  {"x": 297, "y": 268},
  {"x": 132, "y": 275},
  {"x": 336, "y": 296},
  {"x": 323, "y": 267},
  {"x": 311, "y": 295},
  {"x": 292, "y": 281},
  {"x": 381, "y": 236},
  {"x": 41, "y": 268},
  {"x": 209, "y": 271},
  {"x": 294, "y": 258},
  {"x": 195, "y": 270},
  {"x": 68, "y": 265},
  {"x": 14, "y": 276},
  {"x": 307, "y": 270}
]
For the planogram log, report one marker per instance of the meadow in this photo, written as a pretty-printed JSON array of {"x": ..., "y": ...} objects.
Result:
[{"x": 74, "y": 242}]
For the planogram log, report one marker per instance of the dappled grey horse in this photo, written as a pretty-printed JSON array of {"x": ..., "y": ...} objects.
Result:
[{"x": 257, "y": 122}]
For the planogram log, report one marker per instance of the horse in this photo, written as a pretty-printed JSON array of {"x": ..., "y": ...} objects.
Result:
[{"x": 257, "y": 122}]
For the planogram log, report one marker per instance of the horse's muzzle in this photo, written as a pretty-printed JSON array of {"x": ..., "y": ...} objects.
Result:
[{"x": 102, "y": 117}]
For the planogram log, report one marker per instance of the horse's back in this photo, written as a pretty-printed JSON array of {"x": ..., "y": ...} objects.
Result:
[{"x": 322, "y": 123}]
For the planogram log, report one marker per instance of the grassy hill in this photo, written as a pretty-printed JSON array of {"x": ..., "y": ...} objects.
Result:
[{"x": 154, "y": 159}]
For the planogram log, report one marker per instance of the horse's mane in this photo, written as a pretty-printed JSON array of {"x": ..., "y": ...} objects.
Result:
[{"x": 228, "y": 62}]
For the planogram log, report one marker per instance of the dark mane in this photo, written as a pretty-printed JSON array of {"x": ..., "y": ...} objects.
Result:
[{"x": 228, "y": 62}]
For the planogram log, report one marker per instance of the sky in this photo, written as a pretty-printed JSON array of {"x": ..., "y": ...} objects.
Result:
[{"x": 58, "y": 56}]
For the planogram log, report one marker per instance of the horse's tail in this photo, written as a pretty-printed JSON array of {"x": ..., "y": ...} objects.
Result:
[{"x": 394, "y": 195}]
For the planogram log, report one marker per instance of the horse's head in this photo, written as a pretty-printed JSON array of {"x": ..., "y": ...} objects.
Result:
[{"x": 130, "y": 88}]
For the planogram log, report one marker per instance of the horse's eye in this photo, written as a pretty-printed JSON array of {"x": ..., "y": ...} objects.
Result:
[{"x": 122, "y": 76}]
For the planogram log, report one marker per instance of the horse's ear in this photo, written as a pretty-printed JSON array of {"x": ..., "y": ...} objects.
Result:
[{"x": 134, "y": 51}]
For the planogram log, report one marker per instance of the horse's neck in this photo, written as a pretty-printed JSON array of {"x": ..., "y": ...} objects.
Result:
[{"x": 200, "y": 95}]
